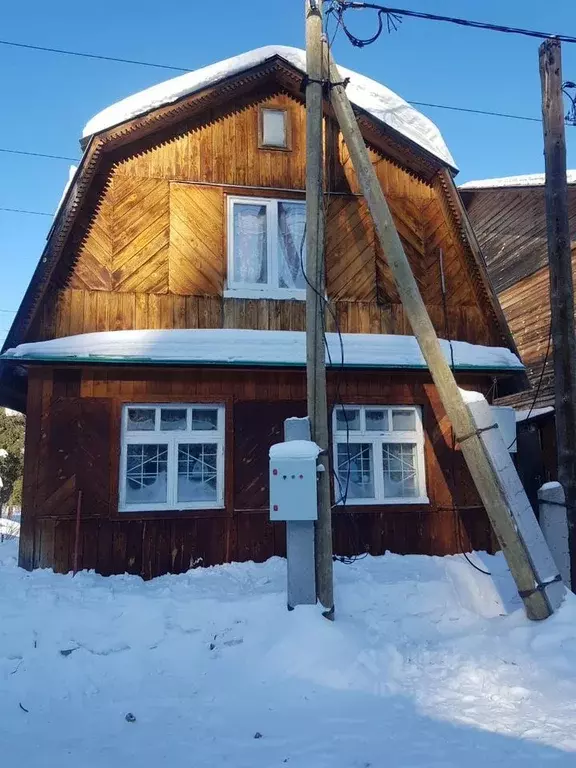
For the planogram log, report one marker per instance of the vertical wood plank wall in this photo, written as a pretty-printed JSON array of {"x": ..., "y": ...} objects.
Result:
[{"x": 73, "y": 444}]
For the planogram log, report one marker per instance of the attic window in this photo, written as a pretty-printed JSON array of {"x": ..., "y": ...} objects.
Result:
[{"x": 274, "y": 128}]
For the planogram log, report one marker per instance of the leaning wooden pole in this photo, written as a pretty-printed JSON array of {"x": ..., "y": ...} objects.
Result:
[
  {"x": 315, "y": 302},
  {"x": 561, "y": 283},
  {"x": 484, "y": 477}
]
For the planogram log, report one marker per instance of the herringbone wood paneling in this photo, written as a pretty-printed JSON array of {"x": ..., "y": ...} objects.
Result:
[
  {"x": 94, "y": 264},
  {"x": 350, "y": 251},
  {"x": 140, "y": 235},
  {"x": 196, "y": 263}
]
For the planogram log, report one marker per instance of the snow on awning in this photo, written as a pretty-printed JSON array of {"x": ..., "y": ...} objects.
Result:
[
  {"x": 369, "y": 95},
  {"x": 225, "y": 346},
  {"x": 527, "y": 180}
]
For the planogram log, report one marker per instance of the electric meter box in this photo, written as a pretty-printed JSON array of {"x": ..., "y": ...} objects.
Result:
[{"x": 293, "y": 481}]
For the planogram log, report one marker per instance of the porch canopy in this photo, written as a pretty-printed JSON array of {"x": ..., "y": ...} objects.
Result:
[{"x": 250, "y": 348}]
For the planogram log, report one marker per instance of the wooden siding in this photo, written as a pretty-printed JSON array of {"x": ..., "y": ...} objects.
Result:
[
  {"x": 511, "y": 227},
  {"x": 155, "y": 250},
  {"x": 73, "y": 444}
]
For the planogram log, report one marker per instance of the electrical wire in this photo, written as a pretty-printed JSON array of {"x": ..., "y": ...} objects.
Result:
[
  {"x": 394, "y": 17},
  {"x": 30, "y": 213},
  {"x": 97, "y": 56},
  {"x": 476, "y": 111},
  {"x": 38, "y": 154},
  {"x": 455, "y": 510}
]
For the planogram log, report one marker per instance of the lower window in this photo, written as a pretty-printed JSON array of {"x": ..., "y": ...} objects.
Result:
[
  {"x": 172, "y": 457},
  {"x": 379, "y": 455}
]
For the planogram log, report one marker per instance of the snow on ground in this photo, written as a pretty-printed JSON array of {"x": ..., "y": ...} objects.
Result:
[{"x": 427, "y": 665}]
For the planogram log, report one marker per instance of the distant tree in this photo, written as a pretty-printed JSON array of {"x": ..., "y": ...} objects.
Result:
[{"x": 11, "y": 457}]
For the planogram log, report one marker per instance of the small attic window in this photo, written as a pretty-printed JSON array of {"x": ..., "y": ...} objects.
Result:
[{"x": 274, "y": 128}]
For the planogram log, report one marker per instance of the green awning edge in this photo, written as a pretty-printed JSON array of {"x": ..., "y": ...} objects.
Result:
[{"x": 101, "y": 360}]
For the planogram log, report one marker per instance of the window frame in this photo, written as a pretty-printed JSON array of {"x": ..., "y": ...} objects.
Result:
[
  {"x": 271, "y": 289},
  {"x": 287, "y": 132},
  {"x": 378, "y": 438},
  {"x": 173, "y": 438}
]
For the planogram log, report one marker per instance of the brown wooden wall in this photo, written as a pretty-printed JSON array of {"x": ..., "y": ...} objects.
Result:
[
  {"x": 511, "y": 228},
  {"x": 73, "y": 441},
  {"x": 154, "y": 253}
]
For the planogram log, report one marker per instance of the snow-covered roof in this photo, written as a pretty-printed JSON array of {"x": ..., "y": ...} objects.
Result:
[
  {"x": 224, "y": 346},
  {"x": 365, "y": 93},
  {"x": 528, "y": 180},
  {"x": 533, "y": 413}
]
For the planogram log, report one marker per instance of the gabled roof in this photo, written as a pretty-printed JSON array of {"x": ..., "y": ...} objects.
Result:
[{"x": 373, "y": 97}]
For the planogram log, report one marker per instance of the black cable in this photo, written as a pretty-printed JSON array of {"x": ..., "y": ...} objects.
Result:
[
  {"x": 38, "y": 154},
  {"x": 31, "y": 213},
  {"x": 97, "y": 56},
  {"x": 540, "y": 379},
  {"x": 455, "y": 510},
  {"x": 395, "y": 15},
  {"x": 476, "y": 111}
]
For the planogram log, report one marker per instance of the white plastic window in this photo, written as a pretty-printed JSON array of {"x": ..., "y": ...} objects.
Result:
[
  {"x": 274, "y": 128},
  {"x": 172, "y": 457},
  {"x": 266, "y": 247},
  {"x": 379, "y": 455}
]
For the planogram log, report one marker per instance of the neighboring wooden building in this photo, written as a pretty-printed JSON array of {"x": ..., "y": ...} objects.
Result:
[
  {"x": 187, "y": 213},
  {"x": 509, "y": 218}
]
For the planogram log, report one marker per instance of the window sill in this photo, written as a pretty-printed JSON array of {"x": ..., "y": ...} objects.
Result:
[
  {"x": 158, "y": 510},
  {"x": 265, "y": 293},
  {"x": 402, "y": 501}
]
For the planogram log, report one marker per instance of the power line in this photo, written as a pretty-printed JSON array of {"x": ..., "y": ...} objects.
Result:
[
  {"x": 394, "y": 16},
  {"x": 38, "y": 154},
  {"x": 9, "y": 311},
  {"x": 31, "y": 213},
  {"x": 97, "y": 56},
  {"x": 476, "y": 111}
]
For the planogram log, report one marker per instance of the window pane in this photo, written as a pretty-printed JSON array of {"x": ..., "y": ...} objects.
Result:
[
  {"x": 355, "y": 475},
  {"x": 274, "y": 127},
  {"x": 291, "y": 245},
  {"x": 172, "y": 419},
  {"x": 197, "y": 475},
  {"x": 204, "y": 418},
  {"x": 403, "y": 421},
  {"x": 250, "y": 264},
  {"x": 146, "y": 469},
  {"x": 376, "y": 421},
  {"x": 140, "y": 419},
  {"x": 400, "y": 470},
  {"x": 350, "y": 416}
]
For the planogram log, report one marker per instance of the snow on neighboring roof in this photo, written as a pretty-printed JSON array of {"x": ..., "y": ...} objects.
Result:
[
  {"x": 379, "y": 101},
  {"x": 533, "y": 413},
  {"x": 528, "y": 180},
  {"x": 225, "y": 346}
]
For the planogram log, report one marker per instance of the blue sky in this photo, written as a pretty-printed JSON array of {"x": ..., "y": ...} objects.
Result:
[{"x": 47, "y": 98}]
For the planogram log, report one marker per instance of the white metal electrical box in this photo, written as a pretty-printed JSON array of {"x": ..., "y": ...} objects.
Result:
[{"x": 294, "y": 481}]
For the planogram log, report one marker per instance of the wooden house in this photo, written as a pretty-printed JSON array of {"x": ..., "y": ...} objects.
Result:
[
  {"x": 509, "y": 218},
  {"x": 159, "y": 346}
]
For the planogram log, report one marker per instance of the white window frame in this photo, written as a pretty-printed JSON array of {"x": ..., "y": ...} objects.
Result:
[
  {"x": 172, "y": 438},
  {"x": 377, "y": 439},
  {"x": 271, "y": 289}
]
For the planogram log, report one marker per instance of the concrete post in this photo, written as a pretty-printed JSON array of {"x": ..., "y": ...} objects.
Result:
[
  {"x": 554, "y": 524},
  {"x": 300, "y": 537}
]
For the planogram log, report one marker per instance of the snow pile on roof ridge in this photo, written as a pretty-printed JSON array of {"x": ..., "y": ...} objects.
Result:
[
  {"x": 250, "y": 347},
  {"x": 527, "y": 180},
  {"x": 375, "y": 98}
]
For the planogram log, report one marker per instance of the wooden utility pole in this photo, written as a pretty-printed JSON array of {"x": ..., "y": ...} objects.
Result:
[
  {"x": 483, "y": 474},
  {"x": 561, "y": 285},
  {"x": 315, "y": 302}
]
